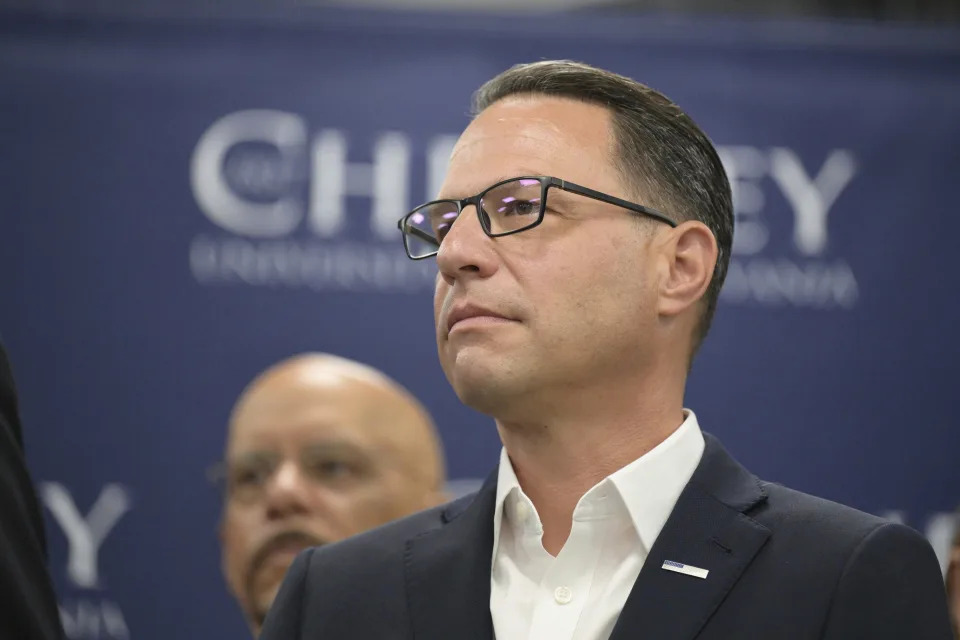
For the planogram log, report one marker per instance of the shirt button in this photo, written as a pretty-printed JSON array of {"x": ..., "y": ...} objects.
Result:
[{"x": 563, "y": 595}]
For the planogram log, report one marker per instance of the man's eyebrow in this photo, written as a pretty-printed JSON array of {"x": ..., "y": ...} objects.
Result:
[
  {"x": 251, "y": 456},
  {"x": 461, "y": 193},
  {"x": 334, "y": 446},
  {"x": 521, "y": 172}
]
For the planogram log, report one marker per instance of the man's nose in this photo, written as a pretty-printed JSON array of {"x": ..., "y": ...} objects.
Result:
[
  {"x": 466, "y": 248},
  {"x": 287, "y": 491}
]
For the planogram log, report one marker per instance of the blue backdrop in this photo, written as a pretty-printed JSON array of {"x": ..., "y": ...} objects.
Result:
[{"x": 185, "y": 203}]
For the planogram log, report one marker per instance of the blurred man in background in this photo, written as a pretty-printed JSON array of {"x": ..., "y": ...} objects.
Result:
[
  {"x": 953, "y": 580},
  {"x": 319, "y": 449},
  {"x": 28, "y": 607}
]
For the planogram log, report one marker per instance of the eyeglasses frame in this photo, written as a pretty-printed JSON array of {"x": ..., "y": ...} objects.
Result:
[{"x": 545, "y": 183}]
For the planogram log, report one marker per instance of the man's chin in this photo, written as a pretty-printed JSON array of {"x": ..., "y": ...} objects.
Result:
[
  {"x": 268, "y": 567},
  {"x": 271, "y": 574},
  {"x": 261, "y": 604},
  {"x": 267, "y": 583},
  {"x": 488, "y": 392}
]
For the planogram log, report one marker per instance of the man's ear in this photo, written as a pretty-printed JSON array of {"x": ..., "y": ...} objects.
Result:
[{"x": 690, "y": 256}]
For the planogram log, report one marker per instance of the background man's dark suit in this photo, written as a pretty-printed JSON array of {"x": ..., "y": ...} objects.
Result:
[
  {"x": 783, "y": 565},
  {"x": 28, "y": 607}
]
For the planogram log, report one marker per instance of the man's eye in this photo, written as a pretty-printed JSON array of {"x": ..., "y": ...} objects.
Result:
[
  {"x": 331, "y": 469},
  {"x": 440, "y": 230},
  {"x": 520, "y": 208},
  {"x": 247, "y": 477}
]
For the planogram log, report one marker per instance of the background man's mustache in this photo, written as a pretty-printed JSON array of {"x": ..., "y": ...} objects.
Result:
[{"x": 277, "y": 542}]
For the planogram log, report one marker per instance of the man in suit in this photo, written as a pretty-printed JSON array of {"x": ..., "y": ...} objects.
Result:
[
  {"x": 28, "y": 606},
  {"x": 571, "y": 297},
  {"x": 953, "y": 579},
  {"x": 320, "y": 448}
]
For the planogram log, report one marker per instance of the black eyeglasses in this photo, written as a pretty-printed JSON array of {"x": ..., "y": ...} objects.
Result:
[{"x": 510, "y": 206}]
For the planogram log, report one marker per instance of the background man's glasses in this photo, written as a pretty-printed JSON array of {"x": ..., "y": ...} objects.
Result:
[
  {"x": 510, "y": 206},
  {"x": 245, "y": 479}
]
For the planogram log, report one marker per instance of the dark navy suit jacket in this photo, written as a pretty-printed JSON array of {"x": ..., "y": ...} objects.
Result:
[
  {"x": 783, "y": 565},
  {"x": 28, "y": 606}
]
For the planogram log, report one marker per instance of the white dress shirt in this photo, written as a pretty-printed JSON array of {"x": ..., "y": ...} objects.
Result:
[{"x": 579, "y": 594}]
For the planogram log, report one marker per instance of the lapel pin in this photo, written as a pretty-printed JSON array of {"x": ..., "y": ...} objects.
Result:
[{"x": 685, "y": 569}]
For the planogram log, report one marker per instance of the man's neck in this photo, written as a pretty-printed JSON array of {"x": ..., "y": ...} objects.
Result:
[{"x": 557, "y": 462}]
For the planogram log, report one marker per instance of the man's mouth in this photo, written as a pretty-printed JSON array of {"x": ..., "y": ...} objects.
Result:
[
  {"x": 282, "y": 546},
  {"x": 470, "y": 314}
]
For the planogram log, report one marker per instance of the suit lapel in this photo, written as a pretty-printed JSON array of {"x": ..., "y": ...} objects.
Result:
[
  {"x": 707, "y": 529},
  {"x": 448, "y": 568},
  {"x": 448, "y": 571}
]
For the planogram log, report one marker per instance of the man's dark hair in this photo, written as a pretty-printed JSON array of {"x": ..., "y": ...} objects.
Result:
[{"x": 660, "y": 151}]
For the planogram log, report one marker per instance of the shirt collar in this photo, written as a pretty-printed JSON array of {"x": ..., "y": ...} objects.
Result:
[
  {"x": 507, "y": 483},
  {"x": 649, "y": 486}
]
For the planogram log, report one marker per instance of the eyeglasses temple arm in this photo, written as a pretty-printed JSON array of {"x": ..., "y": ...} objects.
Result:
[
  {"x": 626, "y": 204},
  {"x": 413, "y": 231}
]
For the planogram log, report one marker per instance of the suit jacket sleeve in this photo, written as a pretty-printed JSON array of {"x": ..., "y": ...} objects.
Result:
[
  {"x": 284, "y": 620},
  {"x": 890, "y": 589},
  {"x": 29, "y": 607}
]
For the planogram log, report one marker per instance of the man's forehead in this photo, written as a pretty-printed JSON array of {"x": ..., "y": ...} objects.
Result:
[
  {"x": 539, "y": 117},
  {"x": 311, "y": 388},
  {"x": 331, "y": 444},
  {"x": 363, "y": 411},
  {"x": 528, "y": 136},
  {"x": 521, "y": 132},
  {"x": 296, "y": 414},
  {"x": 536, "y": 121},
  {"x": 321, "y": 436}
]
